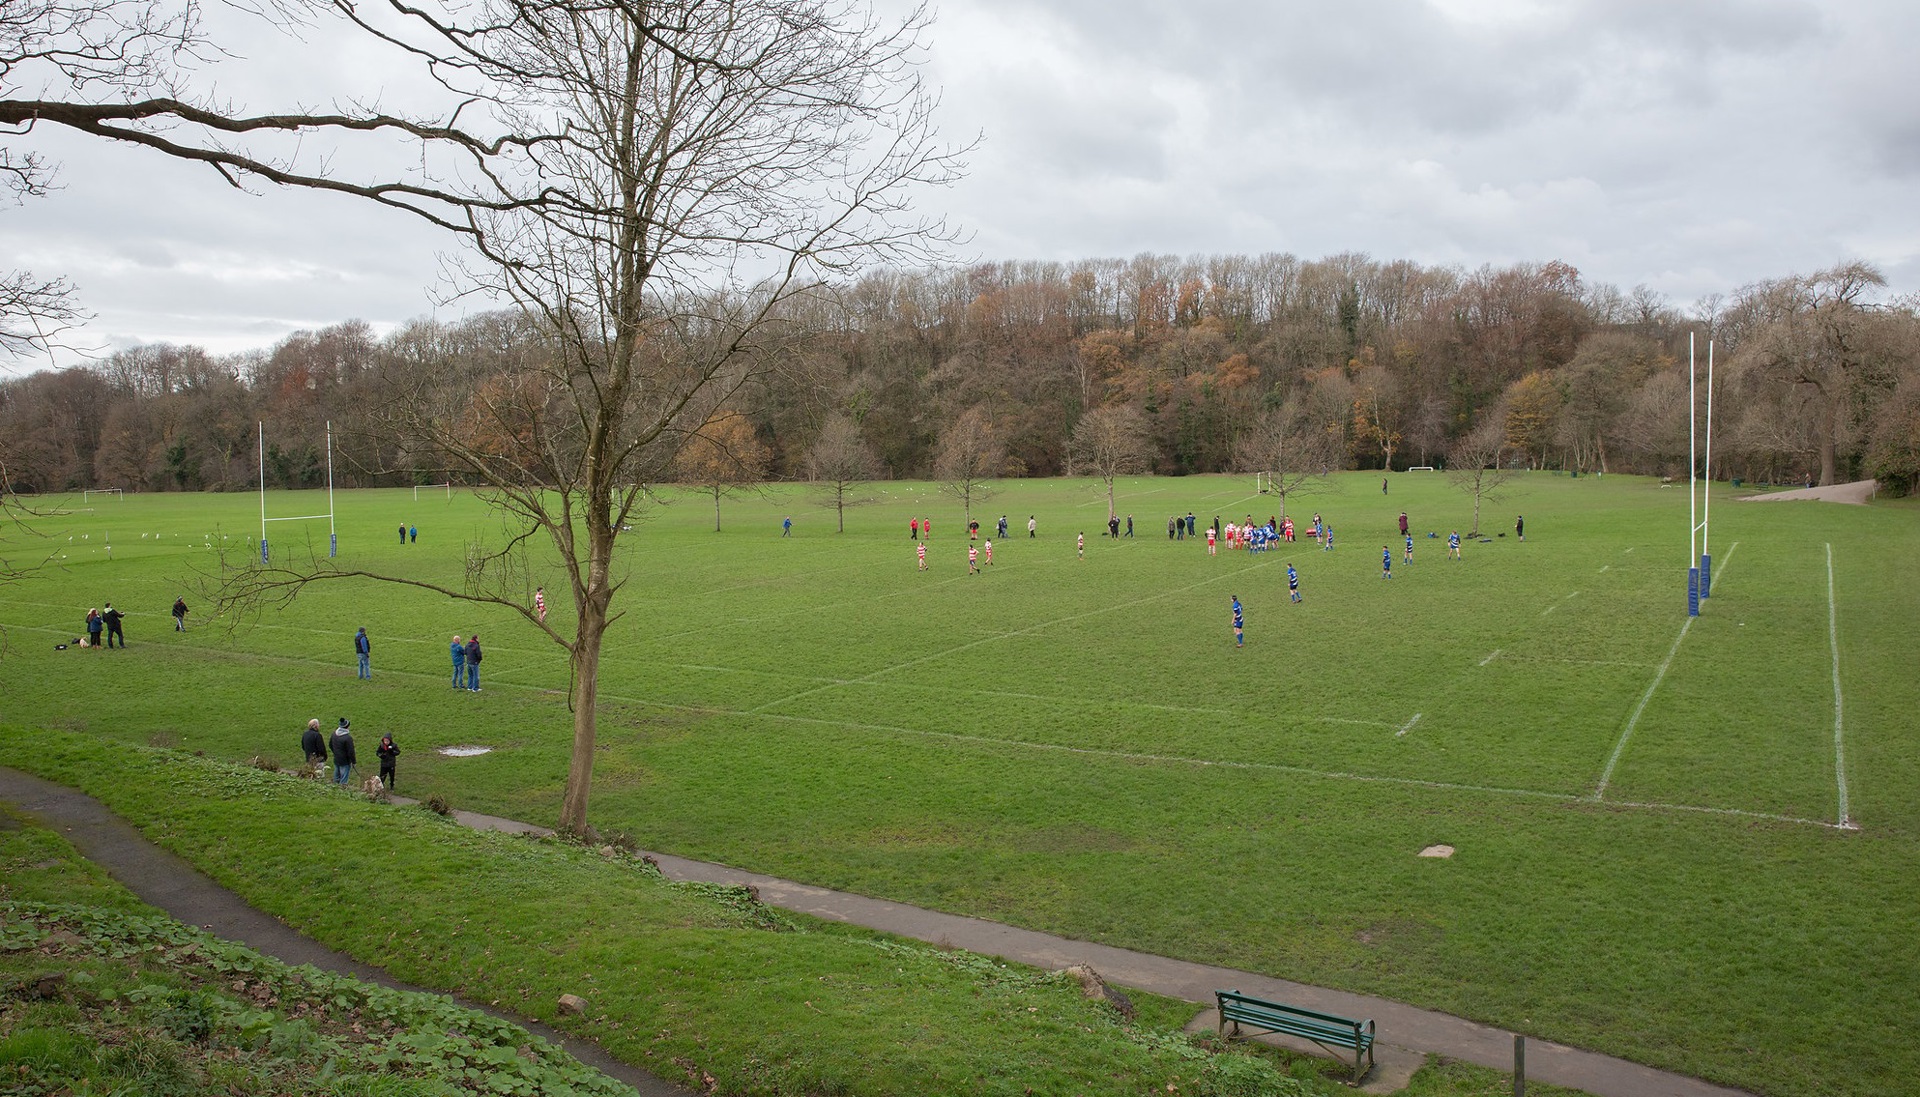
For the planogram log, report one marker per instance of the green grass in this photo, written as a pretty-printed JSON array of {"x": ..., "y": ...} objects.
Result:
[
  {"x": 100, "y": 995},
  {"x": 1075, "y": 745}
]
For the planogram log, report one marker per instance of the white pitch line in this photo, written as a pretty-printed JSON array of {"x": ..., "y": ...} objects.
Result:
[
  {"x": 1549, "y": 609},
  {"x": 1491, "y": 658},
  {"x": 1626, "y": 733},
  {"x": 1604, "y": 567},
  {"x": 956, "y": 649},
  {"x": 1408, "y": 726},
  {"x": 1839, "y": 742}
]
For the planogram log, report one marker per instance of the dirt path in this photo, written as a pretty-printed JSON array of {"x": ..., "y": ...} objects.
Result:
[{"x": 1857, "y": 492}]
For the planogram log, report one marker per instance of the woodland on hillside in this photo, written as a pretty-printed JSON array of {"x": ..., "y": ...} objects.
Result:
[{"x": 1262, "y": 363}]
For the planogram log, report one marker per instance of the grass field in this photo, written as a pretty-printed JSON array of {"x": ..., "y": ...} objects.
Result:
[{"x": 1647, "y": 813}]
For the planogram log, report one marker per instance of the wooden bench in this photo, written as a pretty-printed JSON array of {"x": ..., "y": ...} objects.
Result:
[{"x": 1333, "y": 1033}]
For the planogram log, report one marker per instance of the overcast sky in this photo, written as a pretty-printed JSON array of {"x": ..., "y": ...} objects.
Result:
[{"x": 1689, "y": 146}]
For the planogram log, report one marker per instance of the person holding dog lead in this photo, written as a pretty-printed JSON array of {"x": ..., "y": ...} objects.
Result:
[
  {"x": 313, "y": 744},
  {"x": 387, "y": 751}
]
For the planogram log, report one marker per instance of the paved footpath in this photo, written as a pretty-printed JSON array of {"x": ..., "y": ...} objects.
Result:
[{"x": 1407, "y": 1033}]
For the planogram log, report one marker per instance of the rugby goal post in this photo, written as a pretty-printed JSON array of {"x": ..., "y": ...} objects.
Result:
[{"x": 87, "y": 495}]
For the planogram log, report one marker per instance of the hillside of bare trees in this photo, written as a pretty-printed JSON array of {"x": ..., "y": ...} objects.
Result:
[{"x": 1352, "y": 362}]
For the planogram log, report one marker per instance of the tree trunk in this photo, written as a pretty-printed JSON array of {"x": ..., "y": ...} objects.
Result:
[
  {"x": 716, "y": 510},
  {"x": 840, "y": 508},
  {"x": 585, "y": 662},
  {"x": 1476, "y": 513}
]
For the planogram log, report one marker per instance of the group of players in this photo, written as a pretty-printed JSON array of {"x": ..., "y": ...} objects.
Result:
[{"x": 1245, "y": 535}]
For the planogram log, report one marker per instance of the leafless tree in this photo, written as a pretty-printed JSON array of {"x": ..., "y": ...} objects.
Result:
[
  {"x": 1296, "y": 455},
  {"x": 1474, "y": 465},
  {"x": 653, "y": 186},
  {"x": 970, "y": 456},
  {"x": 723, "y": 457},
  {"x": 839, "y": 462},
  {"x": 1111, "y": 442}
]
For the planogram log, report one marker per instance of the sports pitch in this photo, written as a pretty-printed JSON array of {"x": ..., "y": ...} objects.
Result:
[{"x": 1690, "y": 843}]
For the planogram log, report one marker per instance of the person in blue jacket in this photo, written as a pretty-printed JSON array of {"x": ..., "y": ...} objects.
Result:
[
  {"x": 459, "y": 662},
  {"x": 363, "y": 649}
]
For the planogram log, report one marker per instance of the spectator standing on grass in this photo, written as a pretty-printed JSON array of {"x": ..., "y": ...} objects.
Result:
[
  {"x": 473, "y": 662},
  {"x": 403, "y": 534},
  {"x": 343, "y": 756},
  {"x": 112, "y": 617},
  {"x": 459, "y": 661},
  {"x": 387, "y": 751},
  {"x": 1129, "y": 525},
  {"x": 312, "y": 744},
  {"x": 1031, "y": 526},
  {"x": 1383, "y": 485},
  {"x": 1003, "y": 527},
  {"x": 786, "y": 526},
  {"x": 363, "y": 652},
  {"x": 1403, "y": 523},
  {"x": 1239, "y": 624},
  {"x": 94, "y": 627},
  {"x": 1192, "y": 530},
  {"x": 1520, "y": 526},
  {"x": 1170, "y": 525},
  {"x": 179, "y": 615}
]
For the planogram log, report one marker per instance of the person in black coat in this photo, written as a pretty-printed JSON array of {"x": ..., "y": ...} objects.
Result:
[
  {"x": 343, "y": 756},
  {"x": 473, "y": 662},
  {"x": 313, "y": 744},
  {"x": 388, "y": 751}
]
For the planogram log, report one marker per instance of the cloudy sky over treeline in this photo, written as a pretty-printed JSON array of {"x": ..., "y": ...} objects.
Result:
[{"x": 1690, "y": 147}]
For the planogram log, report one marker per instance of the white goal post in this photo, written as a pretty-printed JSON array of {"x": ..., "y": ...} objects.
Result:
[
  {"x": 87, "y": 495},
  {"x": 448, "y": 485}
]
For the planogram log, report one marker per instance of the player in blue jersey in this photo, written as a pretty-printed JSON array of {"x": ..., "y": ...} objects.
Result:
[
  {"x": 1326, "y": 538},
  {"x": 1386, "y": 562},
  {"x": 1453, "y": 544},
  {"x": 1293, "y": 583},
  {"x": 1239, "y": 625},
  {"x": 1409, "y": 558}
]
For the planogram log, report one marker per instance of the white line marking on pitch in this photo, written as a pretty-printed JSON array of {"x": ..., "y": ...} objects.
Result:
[
  {"x": 1604, "y": 567},
  {"x": 1629, "y": 550},
  {"x": 1619, "y": 748},
  {"x": 1408, "y": 726},
  {"x": 1839, "y": 742},
  {"x": 1491, "y": 658}
]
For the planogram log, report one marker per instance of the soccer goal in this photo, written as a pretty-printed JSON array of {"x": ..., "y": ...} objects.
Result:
[
  {"x": 433, "y": 487},
  {"x": 87, "y": 495}
]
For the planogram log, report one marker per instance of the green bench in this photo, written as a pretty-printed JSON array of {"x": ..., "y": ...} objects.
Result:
[{"x": 1333, "y": 1033}]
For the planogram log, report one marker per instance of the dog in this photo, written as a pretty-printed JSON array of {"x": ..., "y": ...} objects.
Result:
[{"x": 373, "y": 787}]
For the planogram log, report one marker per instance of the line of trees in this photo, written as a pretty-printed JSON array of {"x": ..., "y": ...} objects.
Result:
[{"x": 1267, "y": 363}]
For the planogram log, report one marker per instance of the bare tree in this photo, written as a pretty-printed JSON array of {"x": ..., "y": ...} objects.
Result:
[
  {"x": 653, "y": 186},
  {"x": 1296, "y": 455},
  {"x": 723, "y": 457},
  {"x": 839, "y": 462},
  {"x": 969, "y": 457},
  {"x": 1810, "y": 333},
  {"x": 1474, "y": 465},
  {"x": 1111, "y": 442}
]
